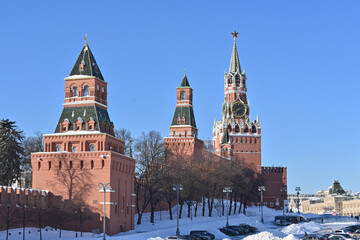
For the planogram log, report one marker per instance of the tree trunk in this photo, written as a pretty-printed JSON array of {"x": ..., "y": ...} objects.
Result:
[
  {"x": 223, "y": 207},
  {"x": 139, "y": 218},
  {"x": 244, "y": 208},
  {"x": 203, "y": 208},
  {"x": 152, "y": 220},
  {"x": 170, "y": 209},
  {"x": 230, "y": 204},
  {"x": 181, "y": 207},
  {"x": 189, "y": 208},
  {"x": 196, "y": 207},
  {"x": 210, "y": 205},
  {"x": 235, "y": 203}
]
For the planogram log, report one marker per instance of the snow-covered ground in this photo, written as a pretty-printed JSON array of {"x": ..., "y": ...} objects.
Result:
[{"x": 164, "y": 227}]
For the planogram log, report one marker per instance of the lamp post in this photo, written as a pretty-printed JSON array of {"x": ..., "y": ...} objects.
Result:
[
  {"x": 262, "y": 189},
  {"x": 177, "y": 188},
  {"x": 227, "y": 190},
  {"x": 298, "y": 189},
  {"x": 104, "y": 187},
  {"x": 76, "y": 234},
  {"x": 283, "y": 190}
]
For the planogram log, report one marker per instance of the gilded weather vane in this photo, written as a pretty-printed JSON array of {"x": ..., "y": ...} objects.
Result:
[{"x": 86, "y": 39}]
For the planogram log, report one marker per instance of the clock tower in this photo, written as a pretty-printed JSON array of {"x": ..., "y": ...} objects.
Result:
[{"x": 235, "y": 136}]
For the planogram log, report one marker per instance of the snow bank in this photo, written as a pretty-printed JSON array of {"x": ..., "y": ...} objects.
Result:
[
  {"x": 269, "y": 236},
  {"x": 302, "y": 228}
]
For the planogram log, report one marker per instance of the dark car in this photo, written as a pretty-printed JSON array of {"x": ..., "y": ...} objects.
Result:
[
  {"x": 239, "y": 229},
  {"x": 228, "y": 231},
  {"x": 201, "y": 233},
  {"x": 182, "y": 237},
  {"x": 249, "y": 228}
]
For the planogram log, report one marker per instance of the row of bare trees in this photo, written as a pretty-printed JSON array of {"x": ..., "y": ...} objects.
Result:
[
  {"x": 44, "y": 211},
  {"x": 203, "y": 178}
]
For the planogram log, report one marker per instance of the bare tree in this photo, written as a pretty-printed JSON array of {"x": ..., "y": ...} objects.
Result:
[
  {"x": 150, "y": 158},
  {"x": 30, "y": 144},
  {"x": 9, "y": 215},
  {"x": 142, "y": 197},
  {"x": 124, "y": 134}
]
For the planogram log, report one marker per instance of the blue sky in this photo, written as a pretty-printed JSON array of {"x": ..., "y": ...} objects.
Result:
[{"x": 301, "y": 59}]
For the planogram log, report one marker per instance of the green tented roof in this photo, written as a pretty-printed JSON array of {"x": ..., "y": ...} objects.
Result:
[
  {"x": 186, "y": 112},
  {"x": 73, "y": 113},
  {"x": 90, "y": 67}
]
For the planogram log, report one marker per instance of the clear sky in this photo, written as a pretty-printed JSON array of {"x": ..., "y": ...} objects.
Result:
[{"x": 301, "y": 59}]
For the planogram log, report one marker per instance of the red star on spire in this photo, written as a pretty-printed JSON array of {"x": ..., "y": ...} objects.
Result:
[{"x": 234, "y": 34}]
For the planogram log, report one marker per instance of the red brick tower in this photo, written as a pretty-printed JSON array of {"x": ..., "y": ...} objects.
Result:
[
  {"x": 182, "y": 140},
  {"x": 83, "y": 150},
  {"x": 235, "y": 136}
]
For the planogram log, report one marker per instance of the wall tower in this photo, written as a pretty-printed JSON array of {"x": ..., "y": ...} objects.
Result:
[{"x": 83, "y": 150}]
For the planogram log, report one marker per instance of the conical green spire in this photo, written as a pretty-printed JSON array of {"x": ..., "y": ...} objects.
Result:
[
  {"x": 185, "y": 82},
  {"x": 226, "y": 137},
  {"x": 86, "y": 64},
  {"x": 235, "y": 62}
]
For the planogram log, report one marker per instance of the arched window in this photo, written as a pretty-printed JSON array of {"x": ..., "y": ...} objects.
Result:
[
  {"x": 92, "y": 164},
  {"x": 81, "y": 164},
  {"x": 102, "y": 163},
  {"x": 59, "y": 165},
  {"x": 39, "y": 165},
  {"x": 237, "y": 80},
  {"x": 86, "y": 90},
  {"x": 49, "y": 165},
  {"x": 182, "y": 95},
  {"x": 58, "y": 148},
  {"x": 75, "y": 91},
  {"x": 70, "y": 165},
  {"x": 92, "y": 147}
]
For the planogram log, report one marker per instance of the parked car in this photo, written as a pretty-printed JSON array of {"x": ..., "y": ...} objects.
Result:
[
  {"x": 228, "y": 231},
  {"x": 356, "y": 234},
  {"x": 202, "y": 233},
  {"x": 284, "y": 220},
  {"x": 340, "y": 237},
  {"x": 351, "y": 229},
  {"x": 182, "y": 237},
  {"x": 239, "y": 229},
  {"x": 249, "y": 228},
  {"x": 312, "y": 237}
]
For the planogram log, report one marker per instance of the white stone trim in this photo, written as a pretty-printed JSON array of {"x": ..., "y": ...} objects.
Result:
[
  {"x": 79, "y": 132},
  {"x": 84, "y": 102}
]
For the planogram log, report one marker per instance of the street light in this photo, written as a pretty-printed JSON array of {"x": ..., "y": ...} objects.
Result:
[
  {"x": 298, "y": 189},
  {"x": 105, "y": 187},
  {"x": 283, "y": 190},
  {"x": 76, "y": 234},
  {"x": 262, "y": 189},
  {"x": 177, "y": 188},
  {"x": 227, "y": 190}
]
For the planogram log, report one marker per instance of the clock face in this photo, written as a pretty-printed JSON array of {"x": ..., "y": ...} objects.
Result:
[{"x": 238, "y": 109}]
